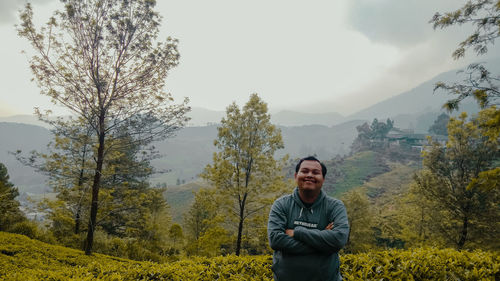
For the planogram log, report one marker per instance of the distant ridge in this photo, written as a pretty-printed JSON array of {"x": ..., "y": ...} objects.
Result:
[
  {"x": 421, "y": 99},
  {"x": 294, "y": 118},
  {"x": 24, "y": 119}
]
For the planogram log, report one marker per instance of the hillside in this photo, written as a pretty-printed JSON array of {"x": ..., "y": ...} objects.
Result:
[
  {"x": 180, "y": 198},
  {"x": 422, "y": 99},
  {"x": 184, "y": 156},
  {"x": 22, "y": 258},
  {"x": 348, "y": 173},
  {"x": 343, "y": 175},
  {"x": 17, "y": 136}
]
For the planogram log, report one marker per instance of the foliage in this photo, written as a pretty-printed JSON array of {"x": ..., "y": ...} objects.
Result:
[
  {"x": 130, "y": 208},
  {"x": 467, "y": 215},
  {"x": 32, "y": 230},
  {"x": 361, "y": 236},
  {"x": 489, "y": 127},
  {"x": 480, "y": 84},
  {"x": 101, "y": 60},
  {"x": 421, "y": 264},
  {"x": 244, "y": 171},
  {"x": 345, "y": 174},
  {"x": 205, "y": 235},
  {"x": 23, "y": 258},
  {"x": 439, "y": 126},
  {"x": 484, "y": 15},
  {"x": 371, "y": 137},
  {"x": 9, "y": 206},
  {"x": 388, "y": 217}
]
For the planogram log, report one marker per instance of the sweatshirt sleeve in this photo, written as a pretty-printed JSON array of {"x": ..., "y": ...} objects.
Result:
[
  {"x": 278, "y": 239},
  {"x": 327, "y": 241}
]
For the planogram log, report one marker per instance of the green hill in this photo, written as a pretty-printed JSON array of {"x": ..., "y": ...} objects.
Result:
[
  {"x": 180, "y": 198},
  {"x": 346, "y": 174},
  {"x": 368, "y": 168}
]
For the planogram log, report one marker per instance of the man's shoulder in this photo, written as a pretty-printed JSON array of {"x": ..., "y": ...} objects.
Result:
[
  {"x": 285, "y": 198},
  {"x": 331, "y": 201},
  {"x": 284, "y": 201}
]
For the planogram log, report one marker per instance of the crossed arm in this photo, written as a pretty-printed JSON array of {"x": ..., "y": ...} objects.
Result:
[
  {"x": 302, "y": 240},
  {"x": 289, "y": 231}
]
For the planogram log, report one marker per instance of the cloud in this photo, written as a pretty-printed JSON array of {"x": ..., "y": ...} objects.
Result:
[
  {"x": 10, "y": 8},
  {"x": 402, "y": 23}
]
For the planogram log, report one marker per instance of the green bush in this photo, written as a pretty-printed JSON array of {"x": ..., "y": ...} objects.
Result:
[
  {"x": 22, "y": 258},
  {"x": 32, "y": 230}
]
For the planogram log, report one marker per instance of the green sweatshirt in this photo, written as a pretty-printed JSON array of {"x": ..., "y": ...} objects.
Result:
[{"x": 312, "y": 254}]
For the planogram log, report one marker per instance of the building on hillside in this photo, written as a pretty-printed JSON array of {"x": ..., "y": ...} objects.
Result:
[{"x": 408, "y": 139}]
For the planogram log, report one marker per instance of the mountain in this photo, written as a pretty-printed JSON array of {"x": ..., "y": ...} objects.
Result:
[
  {"x": 418, "y": 108},
  {"x": 16, "y": 136},
  {"x": 24, "y": 119},
  {"x": 184, "y": 156},
  {"x": 192, "y": 148},
  {"x": 294, "y": 118},
  {"x": 204, "y": 117},
  {"x": 187, "y": 153}
]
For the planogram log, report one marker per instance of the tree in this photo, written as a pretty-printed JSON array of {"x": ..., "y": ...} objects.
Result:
[
  {"x": 360, "y": 222},
  {"x": 467, "y": 214},
  {"x": 481, "y": 84},
  {"x": 199, "y": 218},
  {"x": 101, "y": 60},
  {"x": 129, "y": 206},
  {"x": 67, "y": 165},
  {"x": 175, "y": 234},
  {"x": 439, "y": 126},
  {"x": 9, "y": 206},
  {"x": 484, "y": 16},
  {"x": 244, "y": 171},
  {"x": 371, "y": 136}
]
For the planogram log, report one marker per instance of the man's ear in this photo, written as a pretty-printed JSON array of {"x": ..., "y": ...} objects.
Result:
[{"x": 295, "y": 176}]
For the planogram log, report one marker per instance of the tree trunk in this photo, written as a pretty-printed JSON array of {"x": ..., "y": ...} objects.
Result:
[
  {"x": 78, "y": 219},
  {"x": 240, "y": 231},
  {"x": 240, "y": 225},
  {"x": 463, "y": 235},
  {"x": 78, "y": 216},
  {"x": 95, "y": 194}
]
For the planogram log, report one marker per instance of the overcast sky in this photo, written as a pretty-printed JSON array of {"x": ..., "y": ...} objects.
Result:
[{"x": 309, "y": 56}]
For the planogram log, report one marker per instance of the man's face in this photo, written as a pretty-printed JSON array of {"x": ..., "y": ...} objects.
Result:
[{"x": 309, "y": 178}]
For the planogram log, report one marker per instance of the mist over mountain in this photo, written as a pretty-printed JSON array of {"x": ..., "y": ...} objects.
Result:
[
  {"x": 24, "y": 119},
  {"x": 294, "y": 118},
  {"x": 414, "y": 104},
  {"x": 186, "y": 154}
]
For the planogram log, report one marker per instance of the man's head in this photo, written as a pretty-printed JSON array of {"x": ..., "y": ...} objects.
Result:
[
  {"x": 310, "y": 175},
  {"x": 311, "y": 158}
]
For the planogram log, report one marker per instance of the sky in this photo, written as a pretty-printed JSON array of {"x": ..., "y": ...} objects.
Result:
[{"x": 312, "y": 56}]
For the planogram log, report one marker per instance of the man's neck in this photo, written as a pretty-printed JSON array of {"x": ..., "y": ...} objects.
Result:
[{"x": 308, "y": 197}]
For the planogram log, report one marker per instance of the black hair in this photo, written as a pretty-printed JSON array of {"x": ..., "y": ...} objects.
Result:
[{"x": 311, "y": 158}]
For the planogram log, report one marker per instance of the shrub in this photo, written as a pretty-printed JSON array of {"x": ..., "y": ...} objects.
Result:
[{"x": 22, "y": 258}]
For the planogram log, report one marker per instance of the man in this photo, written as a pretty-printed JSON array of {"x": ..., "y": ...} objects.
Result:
[{"x": 307, "y": 228}]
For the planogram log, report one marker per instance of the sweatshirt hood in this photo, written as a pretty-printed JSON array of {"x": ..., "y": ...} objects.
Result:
[{"x": 296, "y": 198}]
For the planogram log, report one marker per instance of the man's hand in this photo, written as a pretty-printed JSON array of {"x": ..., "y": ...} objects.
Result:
[{"x": 329, "y": 226}]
